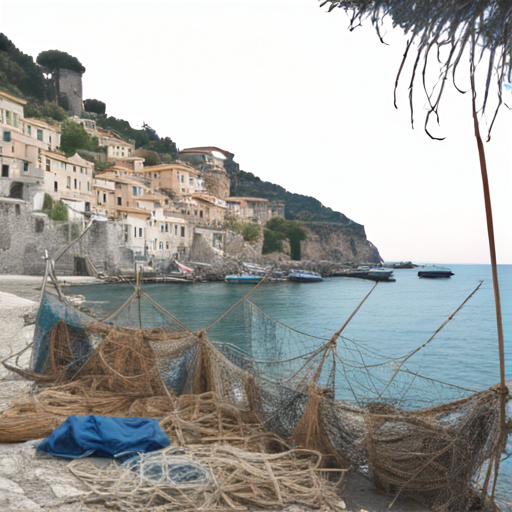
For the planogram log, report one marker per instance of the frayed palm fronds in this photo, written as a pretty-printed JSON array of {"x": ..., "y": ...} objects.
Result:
[{"x": 449, "y": 32}]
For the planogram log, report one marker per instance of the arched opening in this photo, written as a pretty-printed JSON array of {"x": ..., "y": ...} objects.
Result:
[{"x": 16, "y": 191}]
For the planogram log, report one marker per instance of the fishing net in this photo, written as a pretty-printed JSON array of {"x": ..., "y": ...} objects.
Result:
[
  {"x": 217, "y": 477},
  {"x": 269, "y": 386}
]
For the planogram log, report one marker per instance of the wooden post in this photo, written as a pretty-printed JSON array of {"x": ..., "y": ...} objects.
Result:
[{"x": 495, "y": 284}]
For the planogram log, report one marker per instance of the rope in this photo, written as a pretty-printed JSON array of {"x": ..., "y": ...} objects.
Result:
[
  {"x": 287, "y": 326},
  {"x": 433, "y": 335},
  {"x": 235, "y": 305}
]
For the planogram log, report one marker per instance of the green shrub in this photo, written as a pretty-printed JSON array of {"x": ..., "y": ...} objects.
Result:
[
  {"x": 74, "y": 137},
  {"x": 233, "y": 224},
  {"x": 47, "y": 110},
  {"x": 95, "y": 106},
  {"x": 56, "y": 210},
  {"x": 251, "y": 232},
  {"x": 277, "y": 230},
  {"x": 271, "y": 242}
]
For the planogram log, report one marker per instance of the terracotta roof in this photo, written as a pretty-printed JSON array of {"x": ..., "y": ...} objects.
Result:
[
  {"x": 151, "y": 197},
  {"x": 139, "y": 211},
  {"x": 40, "y": 122},
  {"x": 208, "y": 149},
  {"x": 110, "y": 176},
  {"x": 167, "y": 167},
  {"x": 8, "y": 96}
]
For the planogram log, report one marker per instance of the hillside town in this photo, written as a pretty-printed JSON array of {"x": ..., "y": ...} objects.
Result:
[{"x": 158, "y": 206}]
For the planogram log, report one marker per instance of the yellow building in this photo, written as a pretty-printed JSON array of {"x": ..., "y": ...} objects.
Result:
[
  {"x": 176, "y": 179},
  {"x": 67, "y": 177}
]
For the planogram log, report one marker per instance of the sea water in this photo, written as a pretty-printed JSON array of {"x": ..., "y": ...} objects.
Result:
[{"x": 397, "y": 318}]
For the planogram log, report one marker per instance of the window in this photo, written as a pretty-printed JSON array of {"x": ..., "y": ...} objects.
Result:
[
  {"x": 201, "y": 214},
  {"x": 68, "y": 183},
  {"x": 12, "y": 148},
  {"x": 5, "y": 171},
  {"x": 190, "y": 181},
  {"x": 40, "y": 135},
  {"x": 79, "y": 185},
  {"x": 140, "y": 232},
  {"x": 55, "y": 186},
  {"x": 7, "y": 136},
  {"x": 25, "y": 166},
  {"x": 74, "y": 168},
  {"x": 81, "y": 170},
  {"x": 104, "y": 198},
  {"x": 29, "y": 129},
  {"x": 119, "y": 201},
  {"x": 155, "y": 175},
  {"x": 135, "y": 232},
  {"x": 161, "y": 245},
  {"x": 50, "y": 139},
  {"x": 176, "y": 229},
  {"x": 134, "y": 191},
  {"x": 182, "y": 178},
  {"x": 74, "y": 183},
  {"x": 182, "y": 230},
  {"x": 62, "y": 165},
  {"x": 141, "y": 192},
  {"x": 48, "y": 164},
  {"x": 8, "y": 117},
  {"x": 88, "y": 186},
  {"x": 166, "y": 227},
  {"x": 167, "y": 245},
  {"x": 162, "y": 228}
]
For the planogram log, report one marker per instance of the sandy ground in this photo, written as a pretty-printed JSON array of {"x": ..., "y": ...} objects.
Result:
[{"x": 31, "y": 481}]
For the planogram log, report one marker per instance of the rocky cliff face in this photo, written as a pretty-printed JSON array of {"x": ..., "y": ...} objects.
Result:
[
  {"x": 341, "y": 243},
  {"x": 216, "y": 182}
]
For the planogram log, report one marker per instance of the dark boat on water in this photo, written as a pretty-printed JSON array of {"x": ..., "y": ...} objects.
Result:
[
  {"x": 304, "y": 276},
  {"x": 434, "y": 271}
]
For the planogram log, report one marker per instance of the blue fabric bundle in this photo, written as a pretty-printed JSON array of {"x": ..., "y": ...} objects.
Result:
[{"x": 81, "y": 436}]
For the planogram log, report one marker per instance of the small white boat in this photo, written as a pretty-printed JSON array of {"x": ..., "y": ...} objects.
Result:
[{"x": 380, "y": 273}]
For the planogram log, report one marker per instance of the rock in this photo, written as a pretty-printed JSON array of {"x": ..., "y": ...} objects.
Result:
[
  {"x": 30, "y": 317},
  {"x": 8, "y": 466},
  {"x": 17, "y": 503},
  {"x": 65, "y": 491},
  {"x": 8, "y": 486}
]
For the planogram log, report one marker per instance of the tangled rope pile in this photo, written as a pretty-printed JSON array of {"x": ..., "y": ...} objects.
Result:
[{"x": 217, "y": 477}]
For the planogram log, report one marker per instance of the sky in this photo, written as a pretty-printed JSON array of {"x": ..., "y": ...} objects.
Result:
[{"x": 300, "y": 100}]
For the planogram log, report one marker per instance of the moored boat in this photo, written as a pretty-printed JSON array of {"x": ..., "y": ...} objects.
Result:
[
  {"x": 379, "y": 273},
  {"x": 435, "y": 271},
  {"x": 244, "y": 277},
  {"x": 304, "y": 276}
]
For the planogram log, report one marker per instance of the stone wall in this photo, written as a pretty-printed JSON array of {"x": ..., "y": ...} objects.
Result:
[
  {"x": 102, "y": 246},
  {"x": 24, "y": 237},
  {"x": 70, "y": 84}
]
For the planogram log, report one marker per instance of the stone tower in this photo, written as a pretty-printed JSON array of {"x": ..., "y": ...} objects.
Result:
[{"x": 70, "y": 85}]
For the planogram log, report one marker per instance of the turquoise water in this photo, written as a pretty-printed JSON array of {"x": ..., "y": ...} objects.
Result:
[{"x": 397, "y": 318}]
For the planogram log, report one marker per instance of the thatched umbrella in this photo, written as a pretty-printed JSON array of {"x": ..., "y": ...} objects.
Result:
[{"x": 453, "y": 34}]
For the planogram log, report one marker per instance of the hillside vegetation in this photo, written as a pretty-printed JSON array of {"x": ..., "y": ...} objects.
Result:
[{"x": 297, "y": 206}]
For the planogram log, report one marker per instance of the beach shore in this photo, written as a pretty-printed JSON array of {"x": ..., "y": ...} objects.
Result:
[{"x": 32, "y": 481}]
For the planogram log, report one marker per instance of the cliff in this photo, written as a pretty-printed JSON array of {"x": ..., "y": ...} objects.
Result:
[{"x": 341, "y": 243}]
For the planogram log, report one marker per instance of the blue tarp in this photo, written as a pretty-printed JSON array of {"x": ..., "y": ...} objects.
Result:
[{"x": 80, "y": 436}]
